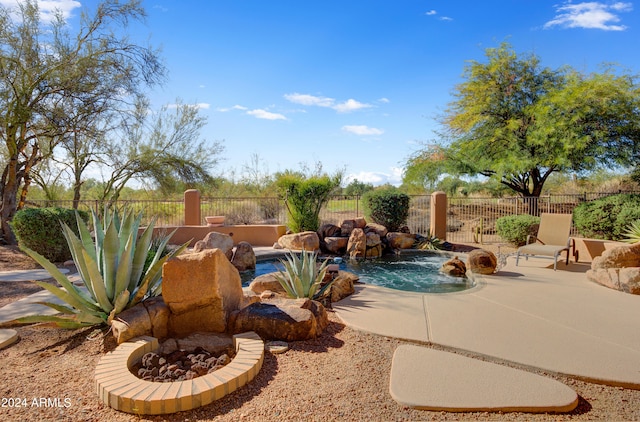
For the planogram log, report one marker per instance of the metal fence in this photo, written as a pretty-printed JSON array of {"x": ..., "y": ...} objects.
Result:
[
  {"x": 469, "y": 220},
  {"x": 473, "y": 220}
]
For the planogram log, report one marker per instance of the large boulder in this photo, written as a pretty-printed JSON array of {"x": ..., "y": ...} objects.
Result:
[
  {"x": 342, "y": 286},
  {"x": 618, "y": 257},
  {"x": 374, "y": 245},
  {"x": 201, "y": 290},
  {"x": 215, "y": 240},
  {"x": 357, "y": 244},
  {"x": 281, "y": 319},
  {"x": 379, "y": 229},
  {"x": 266, "y": 282},
  {"x": 397, "y": 240},
  {"x": 309, "y": 241},
  {"x": 328, "y": 230},
  {"x": 481, "y": 261},
  {"x": 148, "y": 318},
  {"x": 244, "y": 258},
  {"x": 347, "y": 226},
  {"x": 336, "y": 245},
  {"x": 454, "y": 267}
]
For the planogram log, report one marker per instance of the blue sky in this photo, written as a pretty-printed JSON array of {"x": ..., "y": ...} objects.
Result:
[{"x": 353, "y": 84}]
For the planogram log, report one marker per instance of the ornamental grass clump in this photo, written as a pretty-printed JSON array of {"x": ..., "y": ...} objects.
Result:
[
  {"x": 302, "y": 277},
  {"x": 112, "y": 268}
]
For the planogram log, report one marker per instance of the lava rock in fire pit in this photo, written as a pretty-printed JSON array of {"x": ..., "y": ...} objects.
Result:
[{"x": 179, "y": 365}]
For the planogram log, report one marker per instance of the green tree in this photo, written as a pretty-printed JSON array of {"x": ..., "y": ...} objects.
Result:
[
  {"x": 46, "y": 72},
  {"x": 519, "y": 122},
  {"x": 163, "y": 149},
  {"x": 357, "y": 187}
]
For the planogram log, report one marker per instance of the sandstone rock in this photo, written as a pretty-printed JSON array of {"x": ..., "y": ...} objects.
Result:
[
  {"x": 630, "y": 280},
  {"x": 623, "y": 279},
  {"x": 346, "y": 227},
  {"x": 379, "y": 229},
  {"x": 244, "y": 258},
  {"x": 328, "y": 230},
  {"x": 454, "y": 267},
  {"x": 608, "y": 277},
  {"x": 374, "y": 245},
  {"x": 159, "y": 316},
  {"x": 276, "y": 347},
  {"x": 266, "y": 282},
  {"x": 200, "y": 289},
  {"x": 480, "y": 261},
  {"x": 397, "y": 240},
  {"x": 131, "y": 323},
  {"x": 215, "y": 240},
  {"x": 309, "y": 241},
  {"x": 357, "y": 245},
  {"x": 342, "y": 286},
  {"x": 618, "y": 257},
  {"x": 281, "y": 319},
  {"x": 336, "y": 245},
  {"x": 214, "y": 343}
]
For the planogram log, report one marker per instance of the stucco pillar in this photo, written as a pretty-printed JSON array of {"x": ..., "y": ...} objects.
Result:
[
  {"x": 439, "y": 215},
  {"x": 192, "y": 215}
]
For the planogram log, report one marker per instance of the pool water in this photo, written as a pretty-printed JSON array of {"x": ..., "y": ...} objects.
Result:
[{"x": 413, "y": 273}]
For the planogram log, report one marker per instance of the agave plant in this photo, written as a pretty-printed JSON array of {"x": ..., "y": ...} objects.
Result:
[
  {"x": 632, "y": 235},
  {"x": 302, "y": 277},
  {"x": 428, "y": 242},
  {"x": 111, "y": 266}
]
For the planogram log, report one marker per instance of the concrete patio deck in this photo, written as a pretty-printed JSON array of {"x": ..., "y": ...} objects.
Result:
[{"x": 531, "y": 315}]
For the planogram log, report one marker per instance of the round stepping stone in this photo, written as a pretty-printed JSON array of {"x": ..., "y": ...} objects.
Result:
[
  {"x": 7, "y": 337},
  {"x": 276, "y": 347},
  {"x": 430, "y": 379}
]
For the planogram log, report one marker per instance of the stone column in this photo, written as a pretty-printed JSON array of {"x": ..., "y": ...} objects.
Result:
[
  {"x": 192, "y": 215},
  {"x": 439, "y": 215}
]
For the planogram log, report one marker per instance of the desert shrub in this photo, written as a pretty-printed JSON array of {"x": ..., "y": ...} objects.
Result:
[
  {"x": 40, "y": 229},
  {"x": 304, "y": 198},
  {"x": 515, "y": 228},
  {"x": 387, "y": 206},
  {"x": 608, "y": 217}
]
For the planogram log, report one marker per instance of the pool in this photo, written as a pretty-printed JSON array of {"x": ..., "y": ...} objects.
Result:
[{"x": 413, "y": 273}]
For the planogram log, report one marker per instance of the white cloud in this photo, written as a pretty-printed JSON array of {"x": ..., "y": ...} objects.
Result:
[
  {"x": 312, "y": 100},
  {"x": 384, "y": 100},
  {"x": 48, "y": 8},
  {"x": 306, "y": 99},
  {"x": 362, "y": 130},
  {"x": 267, "y": 115},
  {"x": 445, "y": 18},
  {"x": 441, "y": 18},
  {"x": 350, "y": 105},
  {"x": 394, "y": 177},
  {"x": 235, "y": 107},
  {"x": 589, "y": 15},
  {"x": 431, "y": 13}
]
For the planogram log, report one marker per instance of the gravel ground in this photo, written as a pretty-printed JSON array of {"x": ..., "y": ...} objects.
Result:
[{"x": 341, "y": 376}]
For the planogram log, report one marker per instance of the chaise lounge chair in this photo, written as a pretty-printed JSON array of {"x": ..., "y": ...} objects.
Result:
[{"x": 552, "y": 239}]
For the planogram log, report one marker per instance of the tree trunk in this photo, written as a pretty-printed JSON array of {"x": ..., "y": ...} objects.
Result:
[{"x": 9, "y": 201}]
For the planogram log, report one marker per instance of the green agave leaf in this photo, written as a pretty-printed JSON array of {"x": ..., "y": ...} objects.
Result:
[
  {"x": 77, "y": 248},
  {"x": 283, "y": 279},
  {"x": 69, "y": 298},
  {"x": 140, "y": 256},
  {"x": 121, "y": 303},
  {"x": 55, "y": 320},
  {"x": 85, "y": 237},
  {"x": 76, "y": 298},
  {"x": 109, "y": 253},
  {"x": 97, "y": 282},
  {"x": 123, "y": 273},
  {"x": 99, "y": 234},
  {"x": 60, "y": 308}
]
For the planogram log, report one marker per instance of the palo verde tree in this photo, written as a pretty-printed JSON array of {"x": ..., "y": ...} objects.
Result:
[
  {"x": 45, "y": 71},
  {"x": 519, "y": 122}
]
